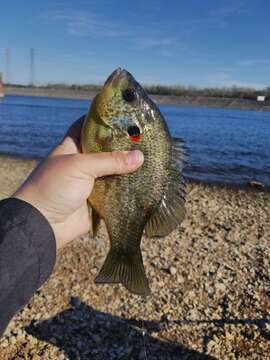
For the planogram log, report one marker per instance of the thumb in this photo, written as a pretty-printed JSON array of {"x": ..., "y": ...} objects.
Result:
[{"x": 109, "y": 163}]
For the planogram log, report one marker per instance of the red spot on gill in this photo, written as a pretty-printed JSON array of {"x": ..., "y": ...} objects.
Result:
[{"x": 136, "y": 138}]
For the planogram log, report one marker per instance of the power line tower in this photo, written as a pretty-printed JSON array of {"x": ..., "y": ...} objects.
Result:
[
  {"x": 7, "y": 65},
  {"x": 32, "y": 67},
  {"x": 1, "y": 87}
]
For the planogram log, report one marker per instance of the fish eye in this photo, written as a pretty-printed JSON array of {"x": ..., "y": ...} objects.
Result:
[
  {"x": 128, "y": 95},
  {"x": 133, "y": 131}
]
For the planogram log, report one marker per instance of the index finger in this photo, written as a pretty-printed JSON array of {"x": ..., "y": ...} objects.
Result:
[{"x": 70, "y": 143}]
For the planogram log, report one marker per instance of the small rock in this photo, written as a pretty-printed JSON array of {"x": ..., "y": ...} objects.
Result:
[
  {"x": 229, "y": 336},
  {"x": 256, "y": 184},
  {"x": 12, "y": 340},
  {"x": 173, "y": 270},
  {"x": 220, "y": 286},
  {"x": 180, "y": 279},
  {"x": 4, "y": 343},
  {"x": 211, "y": 344},
  {"x": 36, "y": 357}
]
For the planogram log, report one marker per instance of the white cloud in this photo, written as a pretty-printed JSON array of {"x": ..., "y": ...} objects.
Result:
[
  {"x": 253, "y": 62},
  {"x": 84, "y": 23},
  {"x": 219, "y": 17},
  {"x": 228, "y": 10},
  {"x": 156, "y": 43},
  {"x": 167, "y": 47}
]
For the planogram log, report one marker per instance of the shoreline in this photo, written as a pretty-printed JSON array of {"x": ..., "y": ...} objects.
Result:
[{"x": 197, "y": 101}]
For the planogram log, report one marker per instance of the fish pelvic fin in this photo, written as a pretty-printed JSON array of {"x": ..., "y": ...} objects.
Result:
[{"x": 126, "y": 267}]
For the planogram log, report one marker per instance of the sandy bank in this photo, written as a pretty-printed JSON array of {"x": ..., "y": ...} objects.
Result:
[
  {"x": 209, "y": 278},
  {"x": 162, "y": 99}
]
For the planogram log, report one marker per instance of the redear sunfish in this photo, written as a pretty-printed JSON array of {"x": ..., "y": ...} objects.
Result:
[{"x": 150, "y": 200}]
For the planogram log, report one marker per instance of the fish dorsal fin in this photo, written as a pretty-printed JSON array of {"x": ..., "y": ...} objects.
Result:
[{"x": 171, "y": 209}]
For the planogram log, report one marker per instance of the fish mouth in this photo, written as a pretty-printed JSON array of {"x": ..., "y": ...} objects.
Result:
[{"x": 118, "y": 76}]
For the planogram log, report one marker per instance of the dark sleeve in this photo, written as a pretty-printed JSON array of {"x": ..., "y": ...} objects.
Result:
[{"x": 27, "y": 255}]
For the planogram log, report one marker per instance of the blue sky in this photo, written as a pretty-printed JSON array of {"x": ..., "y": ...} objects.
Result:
[{"x": 195, "y": 42}]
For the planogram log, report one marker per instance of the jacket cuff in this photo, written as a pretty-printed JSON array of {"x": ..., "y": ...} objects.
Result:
[{"x": 38, "y": 231}]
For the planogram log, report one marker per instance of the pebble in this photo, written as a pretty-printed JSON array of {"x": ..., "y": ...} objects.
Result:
[
  {"x": 220, "y": 286},
  {"x": 173, "y": 270}
]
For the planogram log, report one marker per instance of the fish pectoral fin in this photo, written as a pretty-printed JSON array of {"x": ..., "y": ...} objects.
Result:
[
  {"x": 124, "y": 267},
  {"x": 94, "y": 220},
  {"x": 171, "y": 209}
]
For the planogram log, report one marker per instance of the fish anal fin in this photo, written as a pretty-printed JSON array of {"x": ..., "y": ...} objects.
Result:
[
  {"x": 171, "y": 209},
  {"x": 124, "y": 267}
]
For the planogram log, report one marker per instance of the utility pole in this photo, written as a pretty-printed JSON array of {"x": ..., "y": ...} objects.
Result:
[
  {"x": 7, "y": 66},
  {"x": 32, "y": 67}
]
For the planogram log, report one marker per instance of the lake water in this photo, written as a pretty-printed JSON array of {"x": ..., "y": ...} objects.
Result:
[{"x": 225, "y": 146}]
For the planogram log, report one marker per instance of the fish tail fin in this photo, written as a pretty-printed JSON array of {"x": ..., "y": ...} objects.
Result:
[{"x": 124, "y": 267}]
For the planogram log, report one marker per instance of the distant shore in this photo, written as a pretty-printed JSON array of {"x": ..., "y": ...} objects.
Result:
[{"x": 214, "y": 102}]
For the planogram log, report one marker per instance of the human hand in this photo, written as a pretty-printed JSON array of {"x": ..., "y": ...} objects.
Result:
[{"x": 60, "y": 186}]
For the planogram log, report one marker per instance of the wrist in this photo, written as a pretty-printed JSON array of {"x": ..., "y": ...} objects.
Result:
[{"x": 28, "y": 197}]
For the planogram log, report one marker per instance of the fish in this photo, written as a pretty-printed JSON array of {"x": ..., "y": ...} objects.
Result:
[{"x": 151, "y": 200}]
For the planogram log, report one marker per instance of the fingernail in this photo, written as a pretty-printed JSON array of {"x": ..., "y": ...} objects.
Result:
[{"x": 135, "y": 157}]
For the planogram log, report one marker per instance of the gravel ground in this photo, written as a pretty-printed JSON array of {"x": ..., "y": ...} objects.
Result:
[{"x": 209, "y": 280}]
